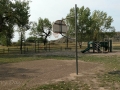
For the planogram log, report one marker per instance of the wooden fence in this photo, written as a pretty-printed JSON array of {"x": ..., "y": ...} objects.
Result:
[{"x": 28, "y": 50}]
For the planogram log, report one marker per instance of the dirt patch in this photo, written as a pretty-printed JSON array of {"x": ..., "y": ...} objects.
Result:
[{"x": 33, "y": 73}]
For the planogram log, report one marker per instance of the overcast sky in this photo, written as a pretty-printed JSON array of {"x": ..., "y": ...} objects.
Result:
[{"x": 58, "y": 9}]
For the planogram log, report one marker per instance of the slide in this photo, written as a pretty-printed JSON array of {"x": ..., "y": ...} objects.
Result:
[{"x": 88, "y": 48}]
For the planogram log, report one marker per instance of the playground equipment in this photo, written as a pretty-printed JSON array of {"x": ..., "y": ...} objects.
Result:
[{"x": 96, "y": 46}]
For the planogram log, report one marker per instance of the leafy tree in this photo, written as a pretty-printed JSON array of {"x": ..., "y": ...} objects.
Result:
[
  {"x": 30, "y": 39},
  {"x": 22, "y": 18},
  {"x": 34, "y": 32},
  {"x": 13, "y": 13},
  {"x": 4, "y": 8},
  {"x": 7, "y": 35},
  {"x": 44, "y": 28},
  {"x": 6, "y": 26},
  {"x": 83, "y": 18},
  {"x": 33, "y": 29},
  {"x": 101, "y": 25},
  {"x": 90, "y": 26}
]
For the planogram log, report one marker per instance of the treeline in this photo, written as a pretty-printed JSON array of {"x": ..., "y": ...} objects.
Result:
[
  {"x": 14, "y": 14},
  {"x": 92, "y": 26}
]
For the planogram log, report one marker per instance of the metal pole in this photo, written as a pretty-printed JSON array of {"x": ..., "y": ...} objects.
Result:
[
  {"x": 110, "y": 45},
  {"x": 61, "y": 27},
  {"x": 21, "y": 43},
  {"x": 24, "y": 45},
  {"x": 35, "y": 44},
  {"x": 76, "y": 38},
  {"x": 67, "y": 41}
]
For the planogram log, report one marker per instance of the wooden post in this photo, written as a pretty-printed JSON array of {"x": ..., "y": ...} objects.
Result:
[
  {"x": 110, "y": 45},
  {"x": 8, "y": 50},
  {"x": 93, "y": 46},
  {"x": 3, "y": 50}
]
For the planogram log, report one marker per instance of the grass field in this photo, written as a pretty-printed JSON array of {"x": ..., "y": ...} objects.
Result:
[{"x": 109, "y": 78}]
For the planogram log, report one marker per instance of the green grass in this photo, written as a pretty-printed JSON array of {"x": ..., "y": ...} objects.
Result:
[
  {"x": 116, "y": 48},
  {"x": 110, "y": 80},
  {"x": 59, "y": 86},
  {"x": 68, "y": 85},
  {"x": 111, "y": 77},
  {"x": 112, "y": 61},
  {"x": 20, "y": 58}
]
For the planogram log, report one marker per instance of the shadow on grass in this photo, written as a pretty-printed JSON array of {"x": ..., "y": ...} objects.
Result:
[
  {"x": 117, "y": 72},
  {"x": 7, "y": 72},
  {"x": 15, "y": 55}
]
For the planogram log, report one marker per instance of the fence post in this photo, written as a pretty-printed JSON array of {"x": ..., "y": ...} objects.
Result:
[
  {"x": 93, "y": 47},
  {"x": 49, "y": 45},
  {"x": 3, "y": 51},
  {"x": 8, "y": 50},
  {"x": 27, "y": 49},
  {"x": 110, "y": 45},
  {"x": 61, "y": 48}
]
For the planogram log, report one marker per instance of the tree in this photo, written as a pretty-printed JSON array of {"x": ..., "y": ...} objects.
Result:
[
  {"x": 4, "y": 6},
  {"x": 90, "y": 26},
  {"x": 22, "y": 18},
  {"x": 34, "y": 32},
  {"x": 33, "y": 29},
  {"x": 13, "y": 13},
  {"x": 30, "y": 39},
  {"x": 6, "y": 26},
  {"x": 101, "y": 25},
  {"x": 44, "y": 28},
  {"x": 7, "y": 35},
  {"x": 83, "y": 18}
]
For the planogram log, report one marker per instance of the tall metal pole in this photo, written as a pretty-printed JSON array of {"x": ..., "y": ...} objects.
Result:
[
  {"x": 35, "y": 44},
  {"x": 76, "y": 38},
  {"x": 21, "y": 43}
]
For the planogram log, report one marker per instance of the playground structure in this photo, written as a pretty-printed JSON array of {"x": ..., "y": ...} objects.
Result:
[{"x": 104, "y": 46}]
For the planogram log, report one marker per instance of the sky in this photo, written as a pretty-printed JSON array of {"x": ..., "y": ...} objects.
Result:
[{"x": 58, "y": 9}]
